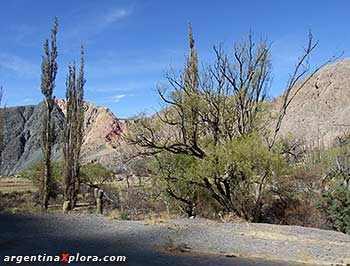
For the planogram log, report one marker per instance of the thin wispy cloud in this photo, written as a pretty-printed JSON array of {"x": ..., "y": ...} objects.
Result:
[
  {"x": 88, "y": 26},
  {"x": 28, "y": 100},
  {"x": 115, "y": 15},
  {"x": 22, "y": 67},
  {"x": 114, "y": 98},
  {"x": 117, "y": 98}
]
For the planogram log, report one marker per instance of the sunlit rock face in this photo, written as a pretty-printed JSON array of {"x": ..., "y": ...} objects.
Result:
[
  {"x": 320, "y": 112},
  {"x": 22, "y": 132}
]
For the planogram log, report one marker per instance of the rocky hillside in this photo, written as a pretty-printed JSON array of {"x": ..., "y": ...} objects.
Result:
[
  {"x": 102, "y": 133},
  {"x": 321, "y": 110},
  {"x": 318, "y": 114},
  {"x": 23, "y": 129}
]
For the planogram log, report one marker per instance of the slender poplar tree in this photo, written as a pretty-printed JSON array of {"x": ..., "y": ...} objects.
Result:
[
  {"x": 48, "y": 75},
  {"x": 73, "y": 133}
]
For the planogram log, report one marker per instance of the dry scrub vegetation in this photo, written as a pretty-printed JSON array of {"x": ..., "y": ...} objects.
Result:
[{"x": 214, "y": 151}]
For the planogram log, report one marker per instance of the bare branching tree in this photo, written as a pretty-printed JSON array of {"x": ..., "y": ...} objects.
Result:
[
  {"x": 248, "y": 76},
  {"x": 222, "y": 103},
  {"x": 298, "y": 79},
  {"x": 206, "y": 113},
  {"x": 48, "y": 75},
  {"x": 73, "y": 133}
]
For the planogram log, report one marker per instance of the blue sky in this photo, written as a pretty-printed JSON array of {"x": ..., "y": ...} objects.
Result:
[{"x": 130, "y": 44}]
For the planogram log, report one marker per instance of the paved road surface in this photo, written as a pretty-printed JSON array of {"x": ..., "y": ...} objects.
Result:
[{"x": 92, "y": 235}]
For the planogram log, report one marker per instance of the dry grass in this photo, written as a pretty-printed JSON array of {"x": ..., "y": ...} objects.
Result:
[
  {"x": 231, "y": 218},
  {"x": 284, "y": 237},
  {"x": 9, "y": 185},
  {"x": 161, "y": 218},
  {"x": 271, "y": 236},
  {"x": 113, "y": 214},
  {"x": 17, "y": 202},
  {"x": 16, "y": 195}
]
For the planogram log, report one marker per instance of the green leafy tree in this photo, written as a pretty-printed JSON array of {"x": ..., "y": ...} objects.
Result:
[
  {"x": 336, "y": 162},
  {"x": 95, "y": 175},
  {"x": 336, "y": 204},
  {"x": 213, "y": 112},
  {"x": 335, "y": 200},
  {"x": 235, "y": 174},
  {"x": 48, "y": 76},
  {"x": 34, "y": 173}
]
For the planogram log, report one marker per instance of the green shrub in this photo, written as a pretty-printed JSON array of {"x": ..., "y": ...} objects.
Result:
[
  {"x": 34, "y": 173},
  {"x": 336, "y": 205},
  {"x": 234, "y": 175},
  {"x": 124, "y": 216},
  {"x": 95, "y": 175}
]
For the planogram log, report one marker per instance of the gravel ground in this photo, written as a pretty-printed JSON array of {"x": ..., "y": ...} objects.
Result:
[
  {"x": 291, "y": 243},
  {"x": 204, "y": 242}
]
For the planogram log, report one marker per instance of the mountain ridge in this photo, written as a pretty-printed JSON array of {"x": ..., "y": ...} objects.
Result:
[
  {"x": 22, "y": 131},
  {"x": 318, "y": 114}
]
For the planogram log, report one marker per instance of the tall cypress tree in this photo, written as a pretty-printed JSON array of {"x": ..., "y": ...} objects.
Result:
[
  {"x": 191, "y": 70},
  {"x": 48, "y": 75},
  {"x": 190, "y": 87},
  {"x": 73, "y": 133}
]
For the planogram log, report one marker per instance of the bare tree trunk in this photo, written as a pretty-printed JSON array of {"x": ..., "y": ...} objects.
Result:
[{"x": 46, "y": 147}]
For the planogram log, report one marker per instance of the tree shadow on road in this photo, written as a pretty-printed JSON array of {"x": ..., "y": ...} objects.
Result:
[{"x": 50, "y": 235}]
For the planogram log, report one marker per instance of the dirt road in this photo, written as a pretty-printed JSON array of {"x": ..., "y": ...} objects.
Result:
[{"x": 89, "y": 235}]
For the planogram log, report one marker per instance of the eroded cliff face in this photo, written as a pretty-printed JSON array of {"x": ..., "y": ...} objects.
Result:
[
  {"x": 320, "y": 112},
  {"x": 22, "y": 133},
  {"x": 102, "y": 133}
]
